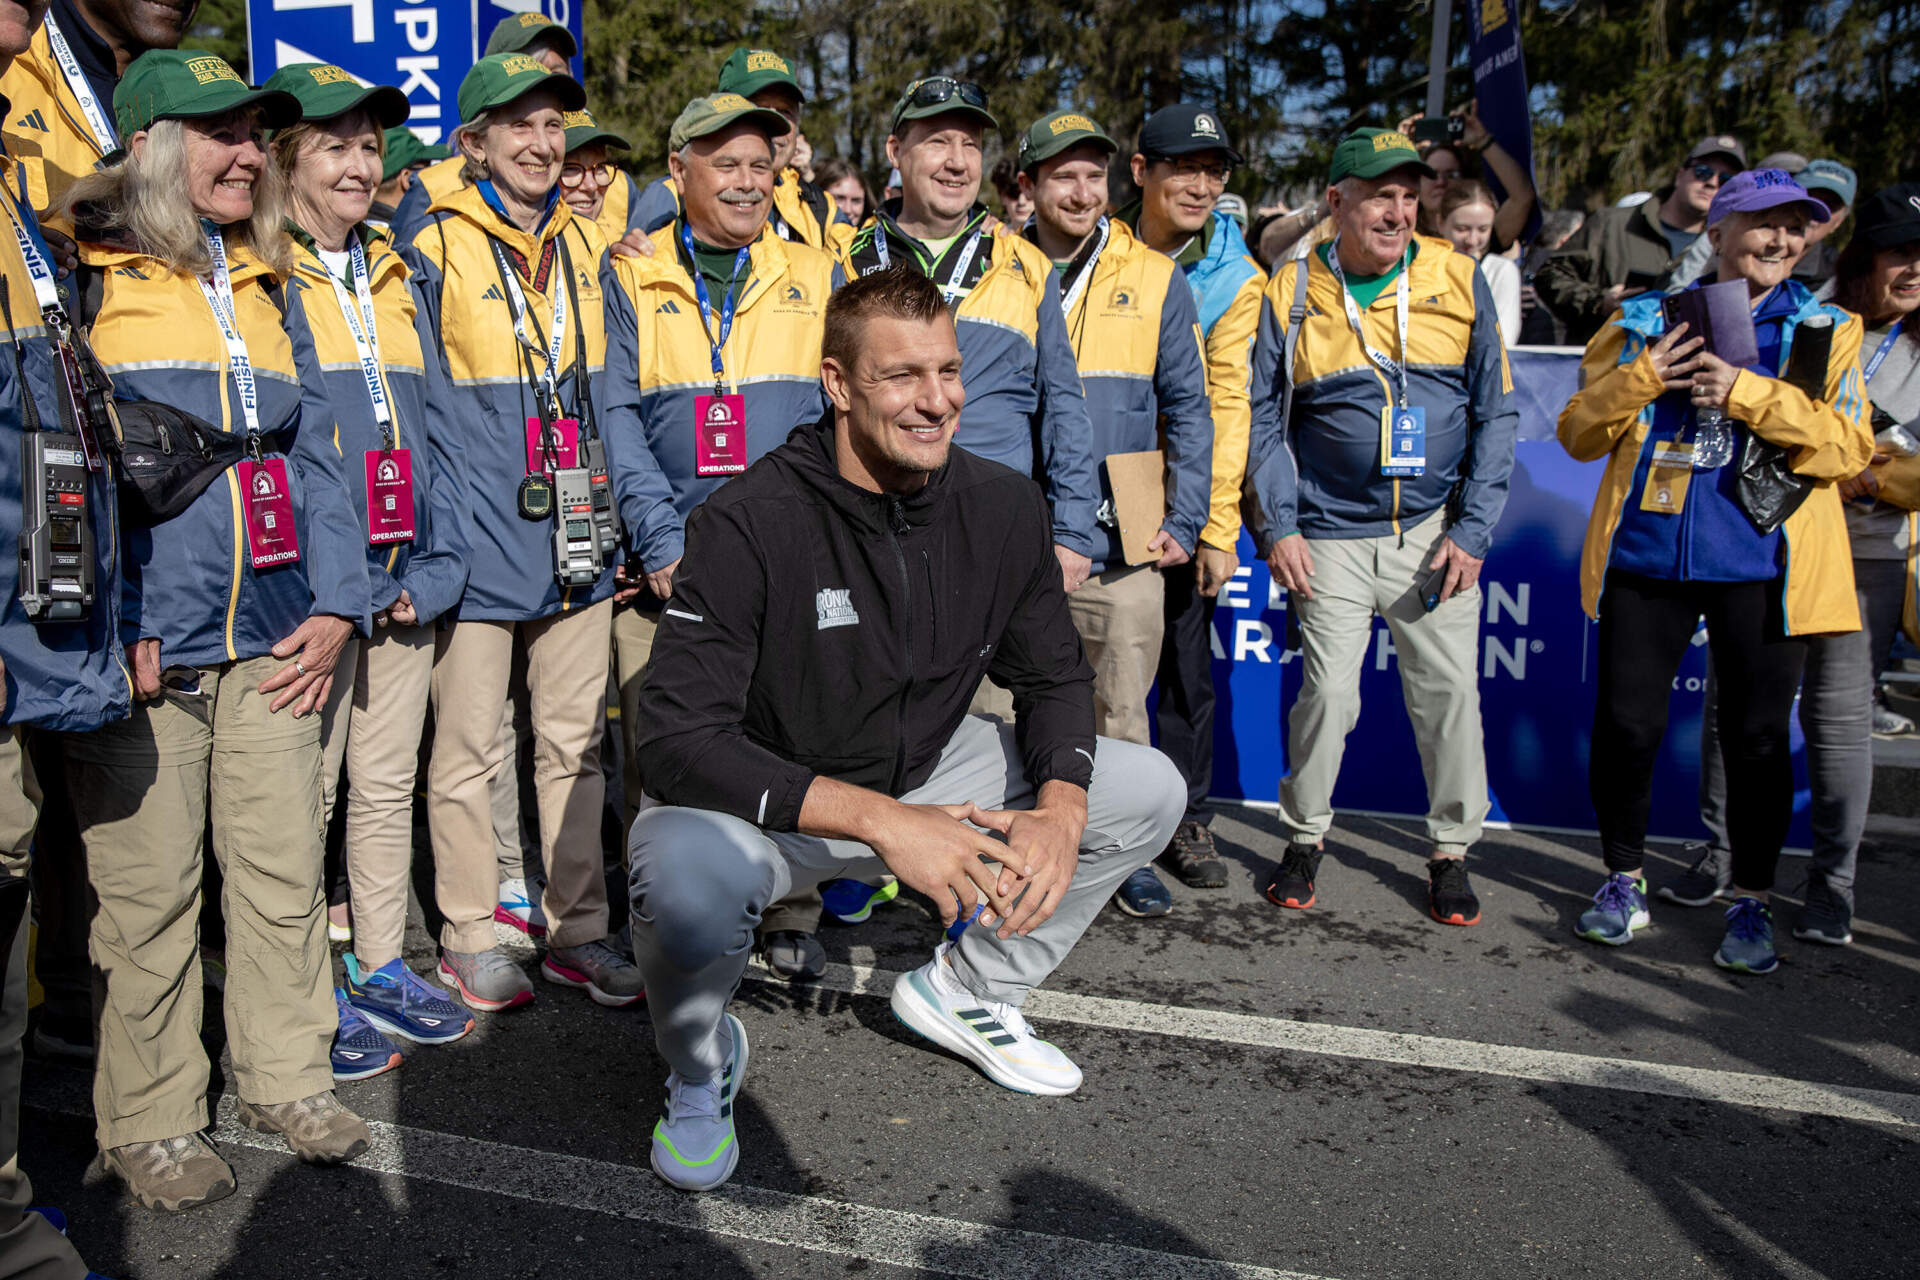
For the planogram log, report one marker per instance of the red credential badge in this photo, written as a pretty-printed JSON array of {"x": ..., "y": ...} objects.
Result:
[
  {"x": 720, "y": 435},
  {"x": 389, "y": 496},
  {"x": 271, "y": 536},
  {"x": 565, "y": 439}
]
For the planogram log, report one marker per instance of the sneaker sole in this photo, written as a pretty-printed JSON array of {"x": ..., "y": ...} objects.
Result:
[
  {"x": 580, "y": 982},
  {"x": 1289, "y": 903},
  {"x": 741, "y": 1053},
  {"x": 1201, "y": 880},
  {"x": 1666, "y": 894},
  {"x": 310, "y": 1155},
  {"x": 1606, "y": 940},
  {"x": 503, "y": 916},
  {"x": 339, "y": 933},
  {"x": 1824, "y": 939},
  {"x": 393, "y": 1028},
  {"x": 1456, "y": 919},
  {"x": 1740, "y": 966},
  {"x": 1137, "y": 913},
  {"x": 368, "y": 1073},
  {"x": 167, "y": 1204},
  {"x": 518, "y": 999},
  {"x": 914, "y": 1012}
]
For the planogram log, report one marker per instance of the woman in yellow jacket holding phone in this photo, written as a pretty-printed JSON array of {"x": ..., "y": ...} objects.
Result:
[{"x": 1674, "y": 537}]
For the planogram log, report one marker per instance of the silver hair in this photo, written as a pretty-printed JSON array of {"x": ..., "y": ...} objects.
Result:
[{"x": 143, "y": 200}]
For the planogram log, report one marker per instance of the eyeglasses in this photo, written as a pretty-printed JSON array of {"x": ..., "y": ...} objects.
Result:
[
  {"x": 934, "y": 90},
  {"x": 1707, "y": 173},
  {"x": 575, "y": 175},
  {"x": 1186, "y": 170}
]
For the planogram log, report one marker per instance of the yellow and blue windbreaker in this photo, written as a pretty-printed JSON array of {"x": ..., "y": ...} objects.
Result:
[
  {"x": 659, "y": 361},
  {"x": 45, "y": 127},
  {"x": 1322, "y": 478},
  {"x": 433, "y": 567},
  {"x": 70, "y": 676},
  {"x": 798, "y": 205},
  {"x": 1025, "y": 406},
  {"x": 1623, "y": 406},
  {"x": 190, "y": 581},
  {"x": 1143, "y": 365},
  {"x": 429, "y": 186},
  {"x": 470, "y": 320}
]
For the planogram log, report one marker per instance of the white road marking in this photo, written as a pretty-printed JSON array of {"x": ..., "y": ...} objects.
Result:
[{"x": 1736, "y": 1088}]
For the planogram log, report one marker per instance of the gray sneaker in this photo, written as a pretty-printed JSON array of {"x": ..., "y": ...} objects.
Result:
[
  {"x": 487, "y": 980},
  {"x": 1888, "y": 723},
  {"x": 171, "y": 1174},
  {"x": 1710, "y": 877},
  {"x": 1827, "y": 917},
  {"x": 596, "y": 968},
  {"x": 317, "y": 1129}
]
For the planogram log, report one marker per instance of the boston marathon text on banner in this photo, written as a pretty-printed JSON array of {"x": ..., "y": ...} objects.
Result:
[{"x": 422, "y": 48}]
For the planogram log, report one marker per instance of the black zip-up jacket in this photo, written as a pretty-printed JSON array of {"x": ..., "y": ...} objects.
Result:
[{"x": 817, "y": 628}]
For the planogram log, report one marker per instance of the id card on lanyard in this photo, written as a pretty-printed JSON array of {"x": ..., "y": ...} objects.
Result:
[
  {"x": 719, "y": 420},
  {"x": 1403, "y": 427},
  {"x": 265, "y": 492},
  {"x": 951, "y": 290},
  {"x": 553, "y": 442},
  {"x": 390, "y": 467}
]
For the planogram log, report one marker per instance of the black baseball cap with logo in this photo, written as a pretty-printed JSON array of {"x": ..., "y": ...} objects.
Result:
[
  {"x": 1184, "y": 129},
  {"x": 1890, "y": 217}
]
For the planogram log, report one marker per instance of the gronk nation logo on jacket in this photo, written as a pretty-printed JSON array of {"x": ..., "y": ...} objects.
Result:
[{"x": 835, "y": 608}]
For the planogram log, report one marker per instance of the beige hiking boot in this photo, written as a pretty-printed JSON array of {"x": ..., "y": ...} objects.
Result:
[
  {"x": 171, "y": 1174},
  {"x": 318, "y": 1129}
]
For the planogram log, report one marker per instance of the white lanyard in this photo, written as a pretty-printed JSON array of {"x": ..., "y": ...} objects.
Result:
[
  {"x": 1085, "y": 276},
  {"x": 104, "y": 135},
  {"x": 220, "y": 298},
  {"x": 517, "y": 302},
  {"x": 44, "y": 292},
  {"x": 366, "y": 335},
  {"x": 951, "y": 289},
  {"x": 1395, "y": 369}
]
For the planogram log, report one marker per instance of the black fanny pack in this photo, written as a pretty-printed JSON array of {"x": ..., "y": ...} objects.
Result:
[{"x": 164, "y": 458}]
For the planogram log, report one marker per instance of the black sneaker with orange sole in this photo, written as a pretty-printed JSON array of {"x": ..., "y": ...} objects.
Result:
[
  {"x": 1450, "y": 896},
  {"x": 1291, "y": 884}
]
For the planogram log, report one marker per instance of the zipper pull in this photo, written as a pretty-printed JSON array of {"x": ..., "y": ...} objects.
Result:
[{"x": 897, "y": 516}]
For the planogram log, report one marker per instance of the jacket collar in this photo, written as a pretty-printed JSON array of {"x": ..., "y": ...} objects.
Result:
[
  {"x": 768, "y": 262},
  {"x": 467, "y": 201},
  {"x": 870, "y": 512},
  {"x": 382, "y": 261},
  {"x": 889, "y": 219}
]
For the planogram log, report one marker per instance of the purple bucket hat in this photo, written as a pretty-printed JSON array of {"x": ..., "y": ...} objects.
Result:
[{"x": 1758, "y": 189}]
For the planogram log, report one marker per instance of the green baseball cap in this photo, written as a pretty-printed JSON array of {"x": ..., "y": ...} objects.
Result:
[
  {"x": 404, "y": 150},
  {"x": 186, "y": 84},
  {"x": 584, "y": 131},
  {"x": 499, "y": 78},
  {"x": 1369, "y": 153},
  {"x": 326, "y": 91},
  {"x": 512, "y": 34},
  {"x": 939, "y": 95},
  {"x": 715, "y": 112},
  {"x": 1056, "y": 132},
  {"x": 748, "y": 71}
]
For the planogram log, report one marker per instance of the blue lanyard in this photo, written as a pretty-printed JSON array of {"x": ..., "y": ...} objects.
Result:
[
  {"x": 1880, "y": 356},
  {"x": 706, "y": 306}
]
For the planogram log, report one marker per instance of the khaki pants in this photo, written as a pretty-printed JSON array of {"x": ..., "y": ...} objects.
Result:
[
  {"x": 143, "y": 790},
  {"x": 567, "y": 680},
  {"x": 1121, "y": 616},
  {"x": 336, "y": 720},
  {"x": 1438, "y": 654},
  {"x": 30, "y": 1249},
  {"x": 516, "y": 840},
  {"x": 389, "y": 686}
]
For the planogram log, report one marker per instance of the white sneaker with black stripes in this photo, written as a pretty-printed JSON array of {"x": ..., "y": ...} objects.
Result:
[{"x": 991, "y": 1035}]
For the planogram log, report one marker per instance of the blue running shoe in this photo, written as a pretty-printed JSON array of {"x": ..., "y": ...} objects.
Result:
[
  {"x": 1618, "y": 909},
  {"x": 851, "y": 901},
  {"x": 1142, "y": 894},
  {"x": 401, "y": 1003},
  {"x": 1748, "y": 946},
  {"x": 360, "y": 1052}
]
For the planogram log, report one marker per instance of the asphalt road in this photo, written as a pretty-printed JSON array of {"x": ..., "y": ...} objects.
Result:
[{"x": 1351, "y": 1093}]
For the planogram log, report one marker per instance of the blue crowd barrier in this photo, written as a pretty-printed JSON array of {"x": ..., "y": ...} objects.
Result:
[{"x": 1537, "y": 656}]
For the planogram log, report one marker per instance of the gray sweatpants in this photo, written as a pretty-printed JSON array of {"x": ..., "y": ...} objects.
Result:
[{"x": 702, "y": 879}]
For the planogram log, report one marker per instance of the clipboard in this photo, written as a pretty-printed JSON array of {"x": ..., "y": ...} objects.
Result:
[{"x": 1138, "y": 483}]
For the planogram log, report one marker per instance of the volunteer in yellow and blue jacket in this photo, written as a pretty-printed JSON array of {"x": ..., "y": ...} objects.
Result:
[
  {"x": 1674, "y": 537},
  {"x": 1137, "y": 338},
  {"x": 1024, "y": 406},
  {"x": 61, "y": 663},
  {"x": 713, "y": 360},
  {"x": 236, "y": 607},
  {"x": 599, "y": 190},
  {"x": 60, "y": 121},
  {"x": 390, "y": 406},
  {"x": 1181, "y": 167},
  {"x": 512, "y": 291},
  {"x": 1378, "y": 493},
  {"x": 801, "y": 211}
]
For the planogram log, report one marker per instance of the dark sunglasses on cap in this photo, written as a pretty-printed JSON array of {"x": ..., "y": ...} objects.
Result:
[
  {"x": 1707, "y": 173},
  {"x": 935, "y": 90}
]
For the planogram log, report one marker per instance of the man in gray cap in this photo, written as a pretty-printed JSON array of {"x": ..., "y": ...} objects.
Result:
[{"x": 1834, "y": 185}]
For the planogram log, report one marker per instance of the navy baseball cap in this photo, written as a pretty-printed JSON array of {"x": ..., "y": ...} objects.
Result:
[{"x": 1184, "y": 129}]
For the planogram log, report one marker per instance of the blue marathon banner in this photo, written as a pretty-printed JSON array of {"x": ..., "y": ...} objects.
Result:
[
  {"x": 1537, "y": 663},
  {"x": 424, "y": 49},
  {"x": 1500, "y": 86}
]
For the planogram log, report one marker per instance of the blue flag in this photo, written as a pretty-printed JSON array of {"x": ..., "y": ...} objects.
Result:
[{"x": 1500, "y": 85}]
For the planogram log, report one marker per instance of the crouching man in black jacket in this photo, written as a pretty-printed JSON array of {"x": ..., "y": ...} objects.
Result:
[{"x": 805, "y": 714}]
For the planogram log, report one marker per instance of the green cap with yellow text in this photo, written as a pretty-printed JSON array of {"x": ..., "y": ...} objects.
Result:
[
  {"x": 327, "y": 92},
  {"x": 584, "y": 131},
  {"x": 404, "y": 150},
  {"x": 499, "y": 78},
  {"x": 1369, "y": 153},
  {"x": 748, "y": 71},
  {"x": 187, "y": 84},
  {"x": 512, "y": 34},
  {"x": 717, "y": 111},
  {"x": 1056, "y": 132}
]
